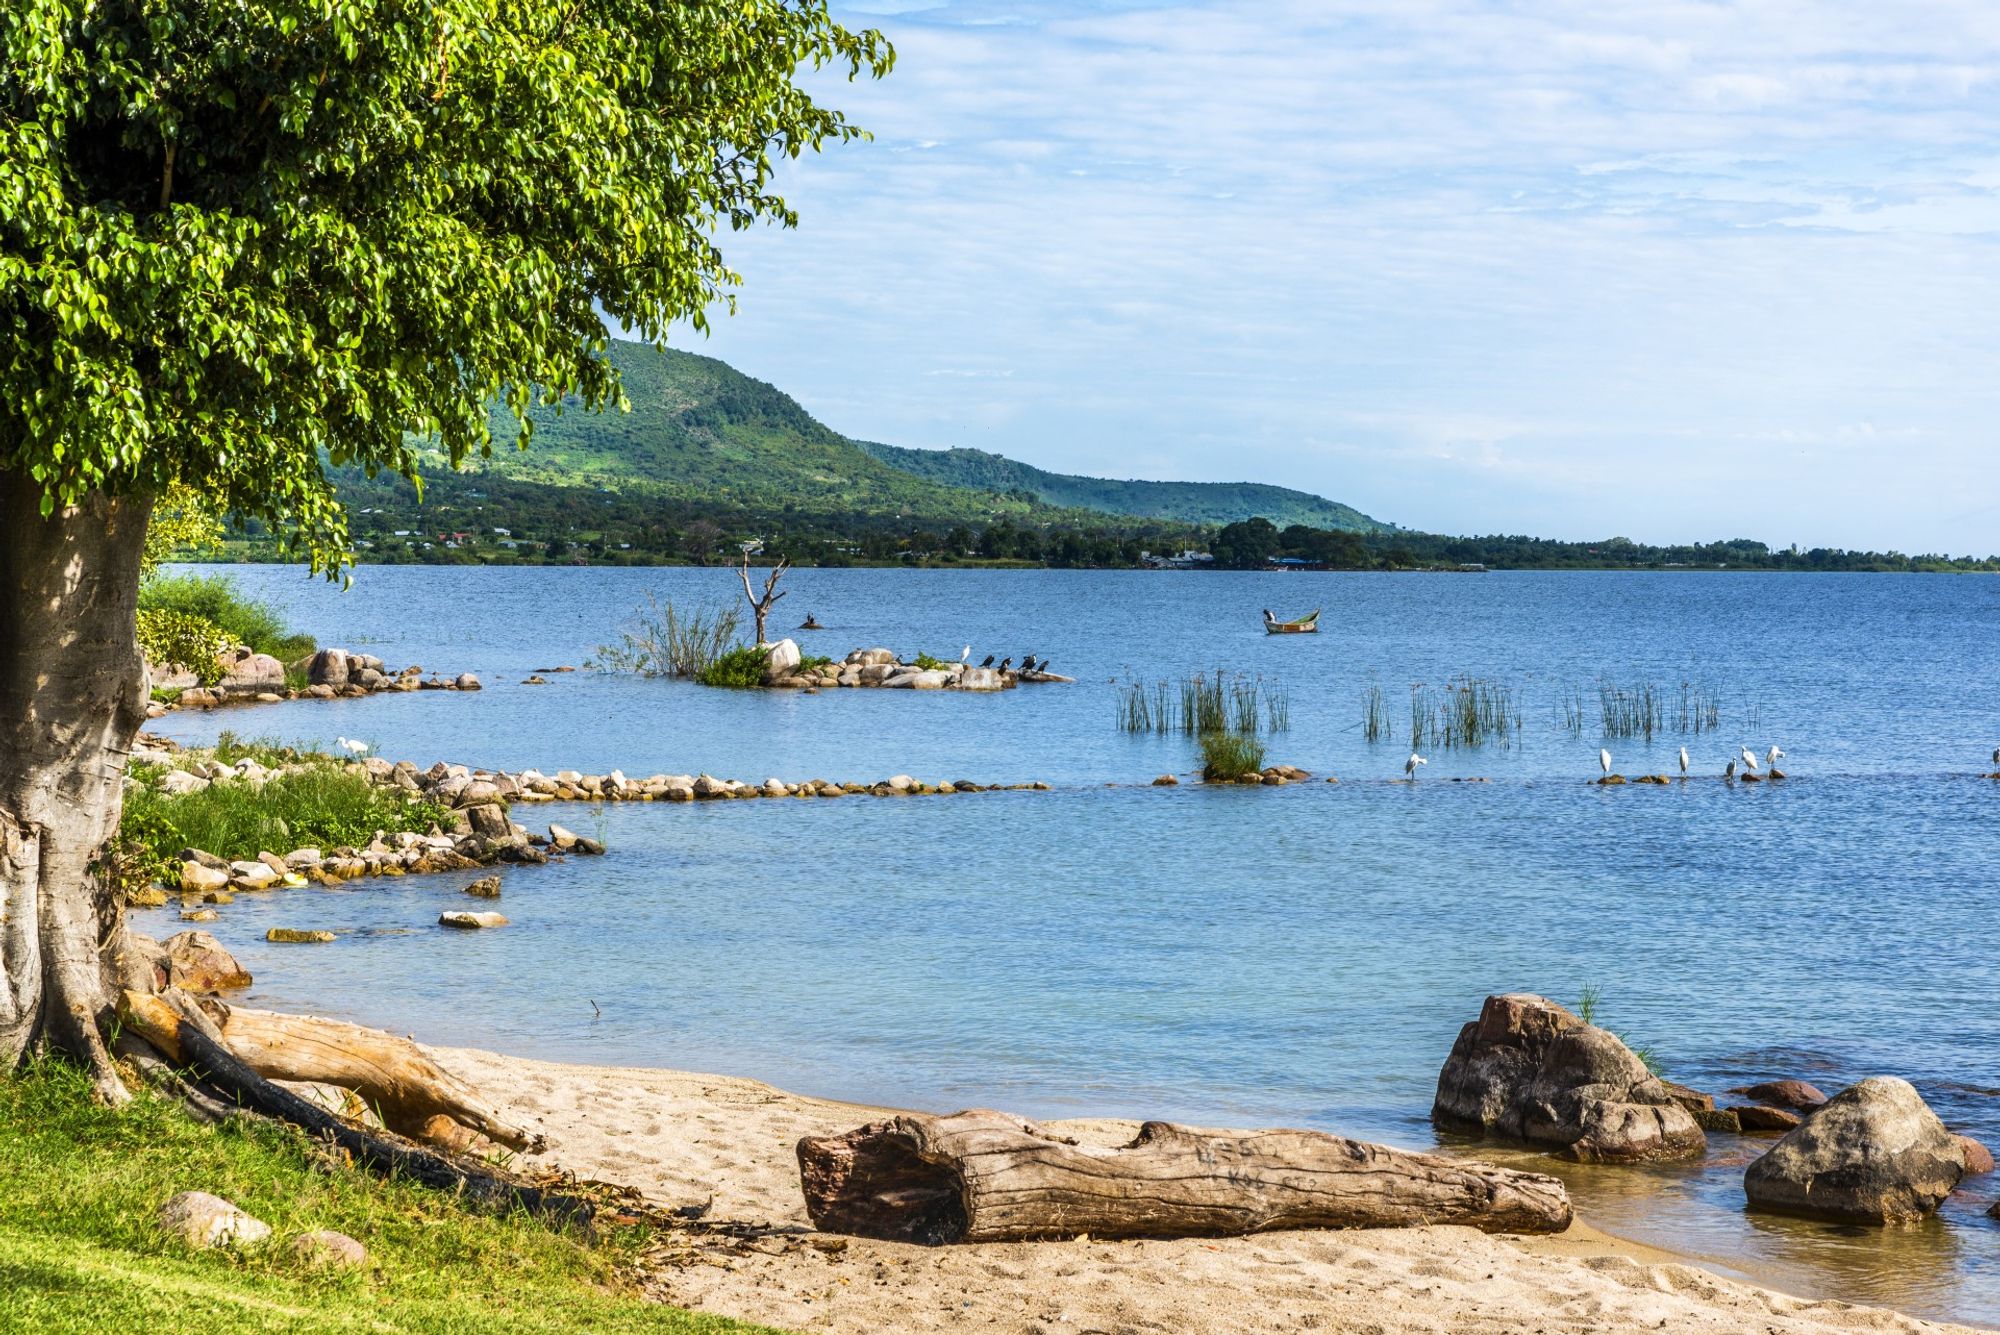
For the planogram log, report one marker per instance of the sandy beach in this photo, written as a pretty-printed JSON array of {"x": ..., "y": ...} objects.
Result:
[{"x": 686, "y": 1139}]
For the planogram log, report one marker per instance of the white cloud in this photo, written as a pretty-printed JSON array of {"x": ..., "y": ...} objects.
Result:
[{"x": 1580, "y": 269}]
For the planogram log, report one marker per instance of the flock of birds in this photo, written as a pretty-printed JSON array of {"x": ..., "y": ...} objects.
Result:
[
  {"x": 1028, "y": 663},
  {"x": 1771, "y": 759}
]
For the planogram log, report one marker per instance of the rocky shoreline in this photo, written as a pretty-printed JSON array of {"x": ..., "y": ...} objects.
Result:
[
  {"x": 254, "y": 678},
  {"x": 785, "y": 667}
]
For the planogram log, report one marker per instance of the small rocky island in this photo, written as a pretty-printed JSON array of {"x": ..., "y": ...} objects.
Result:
[{"x": 786, "y": 667}]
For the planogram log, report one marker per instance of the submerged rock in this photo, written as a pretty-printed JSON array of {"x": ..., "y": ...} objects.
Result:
[
  {"x": 469, "y": 921},
  {"x": 1795, "y": 1094},
  {"x": 1874, "y": 1153},
  {"x": 298, "y": 937},
  {"x": 486, "y": 887},
  {"x": 1530, "y": 1070}
]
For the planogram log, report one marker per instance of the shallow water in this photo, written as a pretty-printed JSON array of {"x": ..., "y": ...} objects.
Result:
[{"x": 1301, "y": 955}]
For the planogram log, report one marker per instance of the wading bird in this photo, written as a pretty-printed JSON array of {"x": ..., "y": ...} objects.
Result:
[
  {"x": 967, "y": 655},
  {"x": 1749, "y": 760},
  {"x": 1773, "y": 756},
  {"x": 1684, "y": 762},
  {"x": 1410, "y": 766},
  {"x": 357, "y": 748},
  {"x": 1730, "y": 773},
  {"x": 1604, "y": 761}
]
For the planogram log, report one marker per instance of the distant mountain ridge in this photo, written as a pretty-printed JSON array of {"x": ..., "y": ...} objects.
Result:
[
  {"x": 700, "y": 430},
  {"x": 1211, "y": 503}
]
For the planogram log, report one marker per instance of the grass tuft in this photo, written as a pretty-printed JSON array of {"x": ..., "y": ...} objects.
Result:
[
  {"x": 741, "y": 667},
  {"x": 1228, "y": 755}
]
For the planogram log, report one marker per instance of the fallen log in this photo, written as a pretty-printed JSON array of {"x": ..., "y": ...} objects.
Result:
[
  {"x": 983, "y": 1176},
  {"x": 389, "y": 1074},
  {"x": 182, "y": 1042}
]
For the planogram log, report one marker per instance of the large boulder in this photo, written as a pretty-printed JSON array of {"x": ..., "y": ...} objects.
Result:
[
  {"x": 196, "y": 961},
  {"x": 780, "y": 660},
  {"x": 247, "y": 673},
  {"x": 1529, "y": 1070},
  {"x": 1874, "y": 1153},
  {"x": 871, "y": 658},
  {"x": 328, "y": 667}
]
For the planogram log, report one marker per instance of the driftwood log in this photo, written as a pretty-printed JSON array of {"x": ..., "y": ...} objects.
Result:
[
  {"x": 984, "y": 1176},
  {"x": 184, "y": 1043},
  {"x": 389, "y": 1074}
]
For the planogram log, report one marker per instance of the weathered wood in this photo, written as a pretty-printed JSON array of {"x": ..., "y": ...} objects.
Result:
[
  {"x": 984, "y": 1176},
  {"x": 389, "y": 1074},
  {"x": 182, "y": 1042}
]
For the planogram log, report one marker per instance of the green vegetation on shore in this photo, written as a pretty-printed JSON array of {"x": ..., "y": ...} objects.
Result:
[
  {"x": 81, "y": 1184},
  {"x": 322, "y": 805}
]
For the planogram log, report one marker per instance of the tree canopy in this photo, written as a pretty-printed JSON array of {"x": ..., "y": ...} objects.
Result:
[{"x": 238, "y": 236}]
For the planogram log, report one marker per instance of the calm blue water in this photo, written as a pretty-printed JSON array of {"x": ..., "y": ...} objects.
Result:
[{"x": 1301, "y": 955}]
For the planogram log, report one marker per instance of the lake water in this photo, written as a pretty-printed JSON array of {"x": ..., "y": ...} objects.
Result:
[{"x": 1300, "y": 955}]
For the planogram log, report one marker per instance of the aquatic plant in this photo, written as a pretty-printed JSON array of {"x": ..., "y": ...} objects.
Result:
[
  {"x": 740, "y": 667},
  {"x": 1467, "y": 712},
  {"x": 1634, "y": 711},
  {"x": 929, "y": 664},
  {"x": 1207, "y": 702},
  {"x": 665, "y": 641},
  {"x": 1227, "y": 755},
  {"x": 1374, "y": 715}
]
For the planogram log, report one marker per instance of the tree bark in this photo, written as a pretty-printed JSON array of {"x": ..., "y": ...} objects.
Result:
[
  {"x": 389, "y": 1074},
  {"x": 72, "y": 697},
  {"x": 760, "y": 608},
  {"x": 986, "y": 1177}
]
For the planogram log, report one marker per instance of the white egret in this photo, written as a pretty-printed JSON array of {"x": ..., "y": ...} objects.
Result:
[
  {"x": 1410, "y": 766},
  {"x": 967, "y": 655},
  {"x": 1749, "y": 760},
  {"x": 1773, "y": 756},
  {"x": 356, "y": 747},
  {"x": 1604, "y": 761},
  {"x": 1684, "y": 762}
]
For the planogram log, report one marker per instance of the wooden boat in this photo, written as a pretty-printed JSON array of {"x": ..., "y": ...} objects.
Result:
[{"x": 1305, "y": 625}]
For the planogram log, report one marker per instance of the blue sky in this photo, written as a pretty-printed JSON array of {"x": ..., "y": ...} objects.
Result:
[{"x": 1660, "y": 269}]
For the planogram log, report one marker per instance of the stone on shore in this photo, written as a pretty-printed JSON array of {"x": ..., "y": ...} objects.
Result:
[
  {"x": 196, "y": 878},
  {"x": 980, "y": 679},
  {"x": 202, "y": 1220},
  {"x": 780, "y": 659},
  {"x": 1530, "y": 1070},
  {"x": 197, "y": 962},
  {"x": 1758, "y": 1117},
  {"x": 179, "y": 783},
  {"x": 328, "y": 667},
  {"x": 470, "y": 921},
  {"x": 327, "y": 1248},
  {"x": 486, "y": 887},
  {"x": 298, "y": 937},
  {"x": 1874, "y": 1153},
  {"x": 561, "y": 837},
  {"x": 865, "y": 658},
  {"x": 1978, "y": 1159}
]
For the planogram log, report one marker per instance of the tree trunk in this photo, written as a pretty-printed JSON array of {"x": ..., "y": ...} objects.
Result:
[
  {"x": 987, "y": 1177},
  {"x": 72, "y": 697},
  {"x": 389, "y": 1074}
]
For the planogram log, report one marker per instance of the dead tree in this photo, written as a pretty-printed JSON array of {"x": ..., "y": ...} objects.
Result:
[
  {"x": 986, "y": 1177},
  {"x": 760, "y": 608}
]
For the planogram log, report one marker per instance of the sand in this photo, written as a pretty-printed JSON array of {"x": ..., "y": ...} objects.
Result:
[{"x": 687, "y": 1140}]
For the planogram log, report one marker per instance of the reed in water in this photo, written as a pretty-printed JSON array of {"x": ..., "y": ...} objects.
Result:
[{"x": 1204, "y": 703}]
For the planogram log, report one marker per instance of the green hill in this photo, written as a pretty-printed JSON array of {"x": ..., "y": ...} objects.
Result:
[{"x": 1184, "y": 502}]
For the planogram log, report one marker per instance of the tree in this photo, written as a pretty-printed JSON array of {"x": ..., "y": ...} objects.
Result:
[
  {"x": 1245, "y": 545},
  {"x": 760, "y": 607},
  {"x": 233, "y": 237}
]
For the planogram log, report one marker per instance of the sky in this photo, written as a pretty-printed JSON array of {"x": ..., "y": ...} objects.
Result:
[{"x": 1658, "y": 269}]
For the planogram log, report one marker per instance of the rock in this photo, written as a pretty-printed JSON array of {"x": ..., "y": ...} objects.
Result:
[
  {"x": 1529, "y": 1070},
  {"x": 250, "y": 673},
  {"x": 328, "y": 667},
  {"x": 1717, "y": 1119},
  {"x": 934, "y": 680},
  {"x": 1795, "y": 1094},
  {"x": 1873, "y": 1153},
  {"x": 561, "y": 837},
  {"x": 297, "y": 937},
  {"x": 198, "y": 915},
  {"x": 1757, "y": 1117},
  {"x": 461, "y": 919},
  {"x": 202, "y": 1220},
  {"x": 781, "y": 658},
  {"x": 490, "y": 820},
  {"x": 301, "y": 858},
  {"x": 206, "y": 859},
  {"x": 534, "y": 681},
  {"x": 1978, "y": 1159},
  {"x": 327, "y": 1248},
  {"x": 179, "y": 783},
  {"x": 486, "y": 887},
  {"x": 196, "y": 961},
  {"x": 253, "y": 875},
  {"x": 146, "y": 897},
  {"x": 370, "y": 679},
  {"x": 980, "y": 679},
  {"x": 589, "y": 847},
  {"x": 320, "y": 692},
  {"x": 874, "y": 674},
  {"x": 196, "y": 877},
  {"x": 1692, "y": 1099},
  {"x": 465, "y": 681},
  {"x": 472, "y": 793},
  {"x": 871, "y": 658}
]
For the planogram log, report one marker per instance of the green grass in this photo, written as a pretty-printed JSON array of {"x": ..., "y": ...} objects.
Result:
[
  {"x": 1229, "y": 755},
  {"x": 215, "y": 598},
  {"x": 80, "y": 1186},
  {"x": 324, "y": 806},
  {"x": 740, "y": 667}
]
